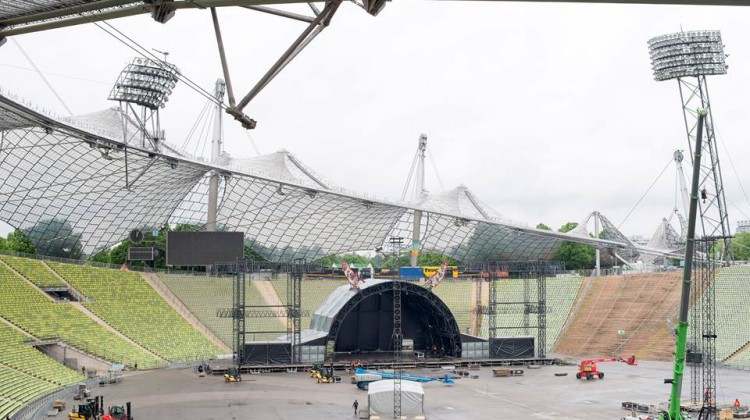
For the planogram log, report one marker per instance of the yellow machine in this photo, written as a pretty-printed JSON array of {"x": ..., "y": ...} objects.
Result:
[
  {"x": 315, "y": 371},
  {"x": 232, "y": 375},
  {"x": 323, "y": 375},
  {"x": 92, "y": 410}
]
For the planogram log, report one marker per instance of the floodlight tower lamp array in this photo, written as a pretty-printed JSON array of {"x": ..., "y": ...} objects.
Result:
[
  {"x": 146, "y": 82},
  {"x": 687, "y": 54}
]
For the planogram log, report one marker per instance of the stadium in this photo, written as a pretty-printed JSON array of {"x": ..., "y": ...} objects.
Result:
[{"x": 249, "y": 318}]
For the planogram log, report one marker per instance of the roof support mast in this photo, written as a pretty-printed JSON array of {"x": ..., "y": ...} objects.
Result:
[
  {"x": 213, "y": 183},
  {"x": 419, "y": 190}
]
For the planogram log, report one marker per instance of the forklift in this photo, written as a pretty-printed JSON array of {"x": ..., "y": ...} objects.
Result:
[
  {"x": 118, "y": 412},
  {"x": 93, "y": 409},
  {"x": 232, "y": 375}
]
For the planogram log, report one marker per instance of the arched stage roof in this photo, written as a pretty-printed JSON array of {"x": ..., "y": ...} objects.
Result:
[
  {"x": 362, "y": 320},
  {"x": 73, "y": 184}
]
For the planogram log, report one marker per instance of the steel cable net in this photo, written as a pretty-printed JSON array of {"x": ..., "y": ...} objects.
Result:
[
  {"x": 65, "y": 196},
  {"x": 64, "y": 183},
  {"x": 607, "y": 231},
  {"x": 26, "y": 8}
]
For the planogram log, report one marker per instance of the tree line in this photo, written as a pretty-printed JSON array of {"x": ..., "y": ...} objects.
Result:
[{"x": 575, "y": 256}]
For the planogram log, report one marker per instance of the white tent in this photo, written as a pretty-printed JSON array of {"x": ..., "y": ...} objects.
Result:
[{"x": 380, "y": 397}]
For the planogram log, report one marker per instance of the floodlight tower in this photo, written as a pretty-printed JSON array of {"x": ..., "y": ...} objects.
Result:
[
  {"x": 689, "y": 57},
  {"x": 144, "y": 83}
]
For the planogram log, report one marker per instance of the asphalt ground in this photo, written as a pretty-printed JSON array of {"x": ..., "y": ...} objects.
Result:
[{"x": 538, "y": 394}]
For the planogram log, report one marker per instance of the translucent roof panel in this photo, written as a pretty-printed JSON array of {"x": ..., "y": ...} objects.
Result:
[
  {"x": 67, "y": 191},
  {"x": 458, "y": 200},
  {"x": 75, "y": 191},
  {"x": 54, "y": 185},
  {"x": 284, "y": 222},
  {"x": 475, "y": 241},
  {"x": 280, "y": 165}
]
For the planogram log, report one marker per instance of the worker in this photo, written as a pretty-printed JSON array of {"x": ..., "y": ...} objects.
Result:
[
  {"x": 355, "y": 405},
  {"x": 708, "y": 398},
  {"x": 737, "y": 403}
]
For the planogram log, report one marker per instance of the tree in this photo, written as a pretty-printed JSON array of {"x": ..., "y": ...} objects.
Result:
[
  {"x": 119, "y": 254},
  {"x": 253, "y": 255},
  {"x": 3, "y": 243},
  {"x": 56, "y": 238},
  {"x": 392, "y": 262},
  {"x": 427, "y": 259},
  {"x": 575, "y": 256},
  {"x": 542, "y": 226},
  {"x": 568, "y": 227},
  {"x": 329, "y": 260},
  {"x": 101, "y": 257},
  {"x": 740, "y": 247},
  {"x": 18, "y": 242}
]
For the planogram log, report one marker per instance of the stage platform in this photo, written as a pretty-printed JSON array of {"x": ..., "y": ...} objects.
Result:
[{"x": 222, "y": 368}]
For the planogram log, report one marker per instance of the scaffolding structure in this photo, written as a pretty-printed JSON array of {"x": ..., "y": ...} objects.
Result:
[
  {"x": 496, "y": 272},
  {"x": 703, "y": 327},
  {"x": 397, "y": 349},
  {"x": 294, "y": 306},
  {"x": 243, "y": 271}
]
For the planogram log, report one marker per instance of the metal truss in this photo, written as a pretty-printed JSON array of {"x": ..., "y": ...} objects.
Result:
[
  {"x": 398, "y": 339},
  {"x": 242, "y": 270},
  {"x": 712, "y": 206},
  {"x": 703, "y": 328},
  {"x": 294, "y": 307},
  {"x": 239, "y": 296},
  {"x": 525, "y": 270}
]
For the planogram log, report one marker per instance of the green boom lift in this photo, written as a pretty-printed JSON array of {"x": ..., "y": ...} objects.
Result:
[{"x": 674, "y": 412}]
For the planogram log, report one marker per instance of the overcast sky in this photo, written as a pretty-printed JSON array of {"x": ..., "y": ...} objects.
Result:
[{"x": 545, "y": 111}]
